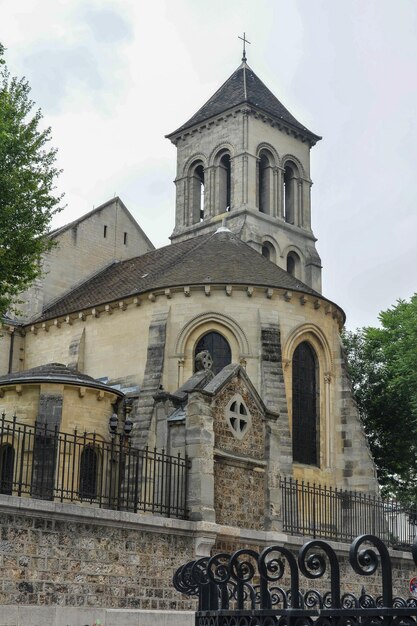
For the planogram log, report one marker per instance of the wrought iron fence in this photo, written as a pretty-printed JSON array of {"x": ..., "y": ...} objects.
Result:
[
  {"x": 330, "y": 513},
  {"x": 45, "y": 463},
  {"x": 246, "y": 588}
]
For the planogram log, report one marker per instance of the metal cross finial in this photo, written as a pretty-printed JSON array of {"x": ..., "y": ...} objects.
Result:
[{"x": 245, "y": 41}]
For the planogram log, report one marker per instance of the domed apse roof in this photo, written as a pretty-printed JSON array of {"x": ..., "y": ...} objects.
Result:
[
  {"x": 244, "y": 87},
  {"x": 55, "y": 373},
  {"x": 219, "y": 258}
]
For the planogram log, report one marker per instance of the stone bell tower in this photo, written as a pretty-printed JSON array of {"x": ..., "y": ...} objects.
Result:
[{"x": 243, "y": 157}]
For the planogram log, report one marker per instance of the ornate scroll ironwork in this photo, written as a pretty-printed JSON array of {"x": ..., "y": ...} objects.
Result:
[{"x": 247, "y": 588}]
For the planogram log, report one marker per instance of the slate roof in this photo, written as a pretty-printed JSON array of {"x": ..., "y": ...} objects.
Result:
[
  {"x": 243, "y": 86},
  {"x": 219, "y": 258},
  {"x": 55, "y": 372}
]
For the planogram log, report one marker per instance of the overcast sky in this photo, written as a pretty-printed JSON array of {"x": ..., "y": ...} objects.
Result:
[{"x": 113, "y": 77}]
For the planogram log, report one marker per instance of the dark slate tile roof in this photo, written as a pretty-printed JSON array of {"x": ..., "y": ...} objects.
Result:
[
  {"x": 219, "y": 258},
  {"x": 55, "y": 372},
  {"x": 242, "y": 87}
]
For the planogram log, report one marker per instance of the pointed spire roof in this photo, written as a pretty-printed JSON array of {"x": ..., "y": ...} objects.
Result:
[{"x": 244, "y": 87}]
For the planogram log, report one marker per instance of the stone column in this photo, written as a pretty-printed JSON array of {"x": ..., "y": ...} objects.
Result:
[
  {"x": 199, "y": 441},
  {"x": 329, "y": 423},
  {"x": 299, "y": 217},
  {"x": 307, "y": 184},
  {"x": 209, "y": 175},
  {"x": 280, "y": 192},
  {"x": 181, "y": 213}
]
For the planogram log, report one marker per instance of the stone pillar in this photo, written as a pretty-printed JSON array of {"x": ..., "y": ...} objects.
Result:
[
  {"x": 280, "y": 192},
  {"x": 209, "y": 176},
  {"x": 299, "y": 217},
  {"x": 181, "y": 203},
  {"x": 307, "y": 204},
  {"x": 199, "y": 439}
]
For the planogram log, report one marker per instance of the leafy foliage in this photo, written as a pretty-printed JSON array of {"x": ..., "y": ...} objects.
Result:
[
  {"x": 383, "y": 368},
  {"x": 27, "y": 177}
]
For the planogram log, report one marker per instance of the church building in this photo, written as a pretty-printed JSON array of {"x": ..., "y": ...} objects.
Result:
[{"x": 219, "y": 348}]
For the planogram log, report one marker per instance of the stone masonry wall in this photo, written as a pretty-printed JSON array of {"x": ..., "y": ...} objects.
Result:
[
  {"x": 45, "y": 560},
  {"x": 403, "y": 567},
  {"x": 239, "y": 475},
  {"x": 253, "y": 443},
  {"x": 239, "y": 495},
  {"x": 83, "y": 559}
]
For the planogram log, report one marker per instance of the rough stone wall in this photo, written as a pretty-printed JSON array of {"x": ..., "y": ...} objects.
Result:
[
  {"x": 239, "y": 475},
  {"x": 273, "y": 386},
  {"x": 403, "y": 568},
  {"x": 253, "y": 444},
  {"x": 239, "y": 495},
  {"x": 143, "y": 411},
  {"x": 359, "y": 469},
  {"x": 61, "y": 555},
  {"x": 85, "y": 564}
]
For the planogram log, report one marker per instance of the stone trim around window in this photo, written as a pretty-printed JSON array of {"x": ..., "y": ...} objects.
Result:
[{"x": 238, "y": 417}]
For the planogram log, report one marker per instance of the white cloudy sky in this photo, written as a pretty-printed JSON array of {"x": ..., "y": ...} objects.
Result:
[{"x": 112, "y": 77}]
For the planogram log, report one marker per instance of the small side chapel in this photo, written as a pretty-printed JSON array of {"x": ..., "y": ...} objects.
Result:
[{"x": 221, "y": 344}]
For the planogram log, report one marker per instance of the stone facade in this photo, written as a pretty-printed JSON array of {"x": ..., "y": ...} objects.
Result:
[
  {"x": 134, "y": 327},
  {"x": 108, "y": 233},
  {"x": 239, "y": 318}
]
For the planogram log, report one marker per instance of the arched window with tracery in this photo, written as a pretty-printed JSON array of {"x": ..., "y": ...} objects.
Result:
[
  {"x": 89, "y": 465},
  {"x": 7, "y": 458},
  {"x": 218, "y": 347},
  {"x": 305, "y": 405},
  {"x": 197, "y": 192},
  {"x": 291, "y": 178}
]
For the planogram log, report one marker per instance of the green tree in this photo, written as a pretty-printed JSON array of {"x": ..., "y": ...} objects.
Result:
[
  {"x": 383, "y": 368},
  {"x": 27, "y": 179}
]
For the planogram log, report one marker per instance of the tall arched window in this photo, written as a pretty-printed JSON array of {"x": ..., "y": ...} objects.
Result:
[
  {"x": 268, "y": 251},
  {"x": 88, "y": 473},
  {"x": 264, "y": 183},
  {"x": 305, "y": 405},
  {"x": 224, "y": 183},
  {"x": 290, "y": 193},
  {"x": 197, "y": 192},
  {"x": 7, "y": 456},
  {"x": 218, "y": 347},
  {"x": 294, "y": 264}
]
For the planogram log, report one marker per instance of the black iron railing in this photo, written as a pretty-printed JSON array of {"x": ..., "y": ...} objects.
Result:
[
  {"x": 45, "y": 463},
  {"x": 330, "y": 513},
  {"x": 246, "y": 588}
]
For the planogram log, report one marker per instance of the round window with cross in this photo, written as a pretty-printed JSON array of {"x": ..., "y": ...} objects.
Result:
[{"x": 238, "y": 417}]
